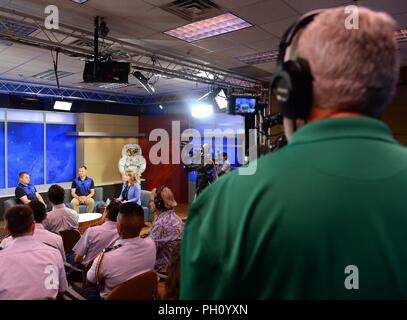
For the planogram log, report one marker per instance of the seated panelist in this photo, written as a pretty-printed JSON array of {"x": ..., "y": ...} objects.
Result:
[
  {"x": 82, "y": 191},
  {"x": 25, "y": 191},
  {"x": 131, "y": 189}
]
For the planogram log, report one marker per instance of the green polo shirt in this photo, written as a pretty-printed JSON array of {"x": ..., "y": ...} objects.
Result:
[{"x": 323, "y": 218}]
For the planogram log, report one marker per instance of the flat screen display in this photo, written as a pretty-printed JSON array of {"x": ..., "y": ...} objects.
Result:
[{"x": 244, "y": 105}]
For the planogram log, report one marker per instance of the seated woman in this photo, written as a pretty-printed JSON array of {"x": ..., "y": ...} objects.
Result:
[{"x": 131, "y": 189}]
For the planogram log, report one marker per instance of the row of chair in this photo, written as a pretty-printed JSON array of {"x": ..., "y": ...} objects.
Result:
[{"x": 141, "y": 287}]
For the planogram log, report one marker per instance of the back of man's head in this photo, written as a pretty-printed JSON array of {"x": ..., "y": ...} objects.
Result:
[
  {"x": 39, "y": 210},
  {"x": 56, "y": 194},
  {"x": 19, "y": 220},
  {"x": 130, "y": 220},
  {"x": 355, "y": 67},
  {"x": 113, "y": 210}
]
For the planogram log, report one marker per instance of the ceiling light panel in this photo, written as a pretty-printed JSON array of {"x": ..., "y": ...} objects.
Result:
[
  {"x": 258, "y": 58},
  {"x": 209, "y": 27}
]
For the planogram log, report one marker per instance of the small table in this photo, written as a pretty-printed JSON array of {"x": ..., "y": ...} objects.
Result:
[{"x": 87, "y": 220}]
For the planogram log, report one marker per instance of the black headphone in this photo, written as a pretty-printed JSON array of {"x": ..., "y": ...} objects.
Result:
[
  {"x": 158, "y": 200},
  {"x": 292, "y": 82}
]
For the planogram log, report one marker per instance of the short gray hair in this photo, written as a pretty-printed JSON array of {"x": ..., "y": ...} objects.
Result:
[{"x": 353, "y": 69}]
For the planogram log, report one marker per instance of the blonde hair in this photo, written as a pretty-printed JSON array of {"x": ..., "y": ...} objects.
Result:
[
  {"x": 134, "y": 178},
  {"x": 353, "y": 69}
]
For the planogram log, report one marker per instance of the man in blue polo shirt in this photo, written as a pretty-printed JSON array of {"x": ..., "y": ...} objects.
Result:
[
  {"x": 82, "y": 191},
  {"x": 25, "y": 191}
]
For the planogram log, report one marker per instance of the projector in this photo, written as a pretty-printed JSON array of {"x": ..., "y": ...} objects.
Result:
[{"x": 109, "y": 72}]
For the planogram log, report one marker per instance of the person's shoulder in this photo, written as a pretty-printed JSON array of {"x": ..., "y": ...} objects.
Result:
[
  {"x": 148, "y": 241},
  {"x": 113, "y": 251},
  {"x": 48, "y": 250},
  {"x": 72, "y": 211},
  {"x": 37, "y": 246},
  {"x": 51, "y": 235},
  {"x": 5, "y": 242}
]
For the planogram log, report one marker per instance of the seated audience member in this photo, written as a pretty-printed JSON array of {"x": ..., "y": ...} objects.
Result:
[
  {"x": 131, "y": 189},
  {"x": 172, "y": 280},
  {"x": 96, "y": 238},
  {"x": 128, "y": 257},
  {"x": 324, "y": 217},
  {"x": 82, "y": 191},
  {"x": 25, "y": 191},
  {"x": 40, "y": 234},
  {"x": 60, "y": 218},
  {"x": 167, "y": 227},
  {"x": 29, "y": 269}
]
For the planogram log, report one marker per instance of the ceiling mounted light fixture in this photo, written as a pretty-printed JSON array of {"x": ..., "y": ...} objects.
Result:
[
  {"x": 258, "y": 58},
  {"x": 144, "y": 82},
  {"x": 79, "y": 1},
  {"x": 221, "y": 100},
  {"x": 62, "y": 105},
  {"x": 211, "y": 27}
]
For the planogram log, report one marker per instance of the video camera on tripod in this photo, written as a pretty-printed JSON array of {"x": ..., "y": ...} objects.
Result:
[{"x": 269, "y": 122}]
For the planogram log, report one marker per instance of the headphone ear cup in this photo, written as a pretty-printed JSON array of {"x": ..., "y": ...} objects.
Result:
[
  {"x": 282, "y": 88},
  {"x": 292, "y": 85},
  {"x": 158, "y": 200}
]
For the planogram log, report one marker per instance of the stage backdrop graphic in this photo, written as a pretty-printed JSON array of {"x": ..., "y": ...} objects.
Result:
[
  {"x": 2, "y": 164},
  {"x": 61, "y": 153},
  {"x": 25, "y": 148}
]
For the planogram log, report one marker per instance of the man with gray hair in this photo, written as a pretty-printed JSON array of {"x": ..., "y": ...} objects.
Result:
[{"x": 324, "y": 217}]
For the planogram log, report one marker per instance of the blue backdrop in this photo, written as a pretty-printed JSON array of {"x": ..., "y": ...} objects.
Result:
[
  {"x": 2, "y": 164},
  {"x": 25, "y": 146},
  {"x": 61, "y": 153}
]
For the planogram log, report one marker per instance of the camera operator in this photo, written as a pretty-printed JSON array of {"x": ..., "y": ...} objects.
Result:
[{"x": 324, "y": 218}]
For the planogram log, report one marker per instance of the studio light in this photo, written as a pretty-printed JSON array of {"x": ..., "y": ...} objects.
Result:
[
  {"x": 201, "y": 110},
  {"x": 62, "y": 105},
  {"x": 221, "y": 100},
  {"x": 79, "y": 1},
  {"x": 144, "y": 82}
]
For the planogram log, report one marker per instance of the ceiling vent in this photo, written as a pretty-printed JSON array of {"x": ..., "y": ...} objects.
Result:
[
  {"x": 82, "y": 43},
  {"x": 193, "y": 10},
  {"x": 21, "y": 29},
  {"x": 50, "y": 74}
]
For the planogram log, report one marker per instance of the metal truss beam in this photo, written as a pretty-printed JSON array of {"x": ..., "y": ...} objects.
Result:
[
  {"x": 153, "y": 61},
  {"x": 7, "y": 86}
]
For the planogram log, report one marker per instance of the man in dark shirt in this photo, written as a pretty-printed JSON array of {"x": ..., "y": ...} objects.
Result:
[
  {"x": 25, "y": 191},
  {"x": 82, "y": 191}
]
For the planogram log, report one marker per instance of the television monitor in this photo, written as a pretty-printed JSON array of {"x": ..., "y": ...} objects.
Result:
[{"x": 244, "y": 105}]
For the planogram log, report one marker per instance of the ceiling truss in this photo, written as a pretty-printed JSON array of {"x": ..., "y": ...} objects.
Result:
[{"x": 77, "y": 42}]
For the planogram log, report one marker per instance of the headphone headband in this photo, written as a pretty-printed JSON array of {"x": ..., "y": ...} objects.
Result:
[
  {"x": 290, "y": 33},
  {"x": 292, "y": 82}
]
